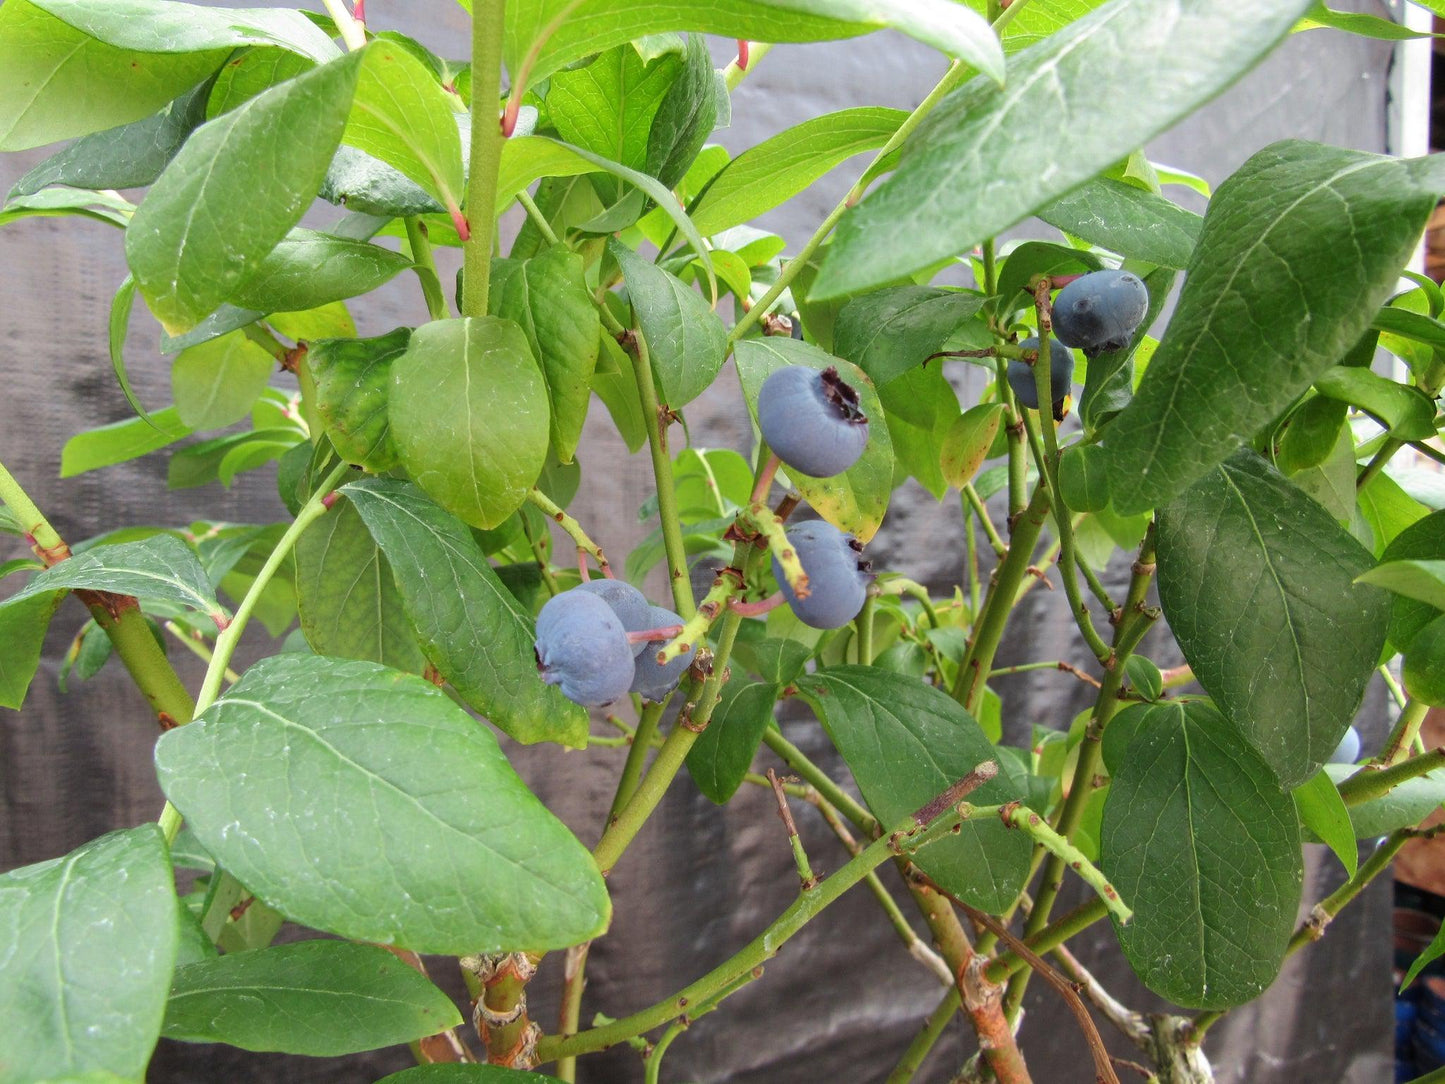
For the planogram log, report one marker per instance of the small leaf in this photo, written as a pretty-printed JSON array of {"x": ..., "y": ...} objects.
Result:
[
  {"x": 1136, "y": 224},
  {"x": 121, "y": 442},
  {"x": 362, "y": 801},
  {"x": 1404, "y": 807},
  {"x": 1082, "y": 479},
  {"x": 365, "y": 185},
  {"x": 1407, "y": 411},
  {"x": 1311, "y": 435},
  {"x": 353, "y": 384},
  {"x": 120, "y": 310},
  {"x": 89, "y": 941},
  {"x": 215, "y": 383},
  {"x": 1201, "y": 841},
  {"x": 685, "y": 117},
  {"x": 1323, "y": 812},
  {"x": 1144, "y": 677},
  {"x": 319, "y": 998},
  {"x": 1422, "y": 540},
  {"x": 469, "y": 416},
  {"x": 967, "y": 442},
  {"x": 724, "y": 752},
  {"x": 59, "y": 202},
  {"x": 309, "y": 269},
  {"x": 23, "y": 624},
  {"x": 1421, "y": 580}
]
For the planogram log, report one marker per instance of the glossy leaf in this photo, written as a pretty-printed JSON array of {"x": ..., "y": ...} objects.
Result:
[
  {"x": 688, "y": 113},
  {"x": 1311, "y": 434},
  {"x": 1205, "y": 847},
  {"x": 1323, "y": 812},
  {"x": 855, "y": 500},
  {"x": 121, "y": 442},
  {"x": 469, "y": 625},
  {"x": 959, "y": 181},
  {"x": 189, "y": 248},
  {"x": 686, "y": 340},
  {"x": 23, "y": 624},
  {"x": 363, "y": 802},
  {"x": 59, "y": 202},
  {"x": 1245, "y": 339},
  {"x": 547, "y": 297},
  {"x": 1423, "y": 541},
  {"x": 1407, "y": 412},
  {"x": 469, "y": 415},
  {"x": 1257, "y": 581},
  {"x": 319, "y": 998},
  {"x": 889, "y": 332},
  {"x": 1423, "y": 581},
  {"x": 607, "y": 106},
  {"x": 724, "y": 752},
  {"x": 366, "y": 185},
  {"x": 353, "y": 384},
  {"x": 1136, "y": 224},
  {"x": 89, "y": 941},
  {"x": 310, "y": 269},
  {"x": 216, "y": 382}
]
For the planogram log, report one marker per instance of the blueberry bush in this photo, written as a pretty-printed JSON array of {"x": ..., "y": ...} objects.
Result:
[{"x": 1256, "y": 463}]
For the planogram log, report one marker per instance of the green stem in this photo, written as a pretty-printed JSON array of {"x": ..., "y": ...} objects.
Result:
[
  {"x": 488, "y": 17},
  {"x": 1405, "y": 729},
  {"x": 1372, "y": 781},
  {"x": 636, "y": 758},
  {"x": 864, "y": 621},
  {"x": 662, "y": 471},
  {"x": 538, "y": 218},
  {"x": 47, "y": 544},
  {"x": 1047, "y": 939},
  {"x": 197, "y": 646},
  {"x": 1001, "y": 21},
  {"x": 924, "y": 1041},
  {"x": 823, "y": 783},
  {"x": 352, "y": 32},
  {"x": 539, "y": 552},
  {"x": 1026, "y": 820},
  {"x": 1377, "y": 463},
  {"x": 426, "y": 268},
  {"x": 901, "y": 585},
  {"x": 1000, "y": 547},
  {"x": 1396, "y": 692},
  {"x": 573, "y": 528},
  {"x": 733, "y": 75}
]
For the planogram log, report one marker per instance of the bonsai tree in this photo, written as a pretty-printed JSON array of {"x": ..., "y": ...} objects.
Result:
[{"x": 1250, "y": 460}]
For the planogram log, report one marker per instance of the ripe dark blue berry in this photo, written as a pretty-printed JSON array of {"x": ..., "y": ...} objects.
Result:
[
  {"x": 652, "y": 681},
  {"x": 811, "y": 420},
  {"x": 1100, "y": 311},
  {"x": 838, "y": 577},
  {"x": 582, "y": 648},
  {"x": 1348, "y": 751},
  {"x": 627, "y": 602},
  {"x": 1061, "y": 374}
]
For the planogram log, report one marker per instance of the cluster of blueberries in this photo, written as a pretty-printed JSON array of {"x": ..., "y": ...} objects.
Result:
[{"x": 593, "y": 640}]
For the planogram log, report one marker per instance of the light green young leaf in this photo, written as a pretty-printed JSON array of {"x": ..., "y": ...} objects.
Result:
[
  {"x": 966, "y": 173},
  {"x": 1407, "y": 411},
  {"x": 120, "y": 309},
  {"x": 89, "y": 942},
  {"x": 1323, "y": 812},
  {"x": 607, "y": 106},
  {"x": 121, "y": 442},
  {"x": 1423, "y": 581},
  {"x": 216, "y": 382},
  {"x": 58, "y": 202},
  {"x": 362, "y": 801},
  {"x": 23, "y": 624}
]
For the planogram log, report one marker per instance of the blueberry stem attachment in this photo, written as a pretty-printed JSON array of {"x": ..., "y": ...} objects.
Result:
[
  {"x": 757, "y": 609},
  {"x": 662, "y": 632},
  {"x": 573, "y": 528},
  {"x": 761, "y": 518},
  {"x": 727, "y": 583},
  {"x": 765, "y": 477}
]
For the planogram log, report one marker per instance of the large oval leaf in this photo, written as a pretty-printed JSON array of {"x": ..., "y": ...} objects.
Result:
[
  {"x": 1250, "y": 334},
  {"x": 362, "y": 801},
  {"x": 1257, "y": 581},
  {"x": 966, "y": 172},
  {"x": 905, "y": 743},
  {"x": 87, "y": 944},
  {"x": 1204, "y": 845},
  {"x": 469, "y": 416},
  {"x": 310, "y": 269}
]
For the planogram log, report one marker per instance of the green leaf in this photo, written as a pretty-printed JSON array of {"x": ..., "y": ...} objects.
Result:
[
  {"x": 615, "y": 382},
  {"x": 466, "y": 1074},
  {"x": 918, "y": 433},
  {"x": 362, "y": 801},
  {"x": 855, "y": 500},
  {"x": 1082, "y": 481},
  {"x": 1130, "y": 221},
  {"x": 1257, "y": 581},
  {"x": 23, "y": 624},
  {"x": 1388, "y": 510},
  {"x": 1311, "y": 435},
  {"x": 1109, "y": 382},
  {"x": 1423, "y": 671},
  {"x": 594, "y": 25},
  {"x": 216, "y": 382},
  {"x": 547, "y": 297},
  {"x": 1423, "y": 541},
  {"x": 686, "y": 116},
  {"x": 1360, "y": 23},
  {"x": 190, "y": 247},
  {"x": 475, "y": 633},
  {"x": 121, "y": 441},
  {"x": 779, "y": 168},
  {"x": 320, "y": 998},
  {"x": 1407, "y": 411},
  {"x": 1432, "y": 952},
  {"x": 967, "y": 442},
  {"x": 685, "y": 338},
  {"x": 469, "y": 416},
  {"x": 1404, "y": 807},
  {"x": 130, "y": 156},
  {"x": 607, "y": 106},
  {"x": 309, "y": 269},
  {"x": 1421, "y": 580},
  {"x": 366, "y": 185},
  {"x": 1332, "y": 483},
  {"x": 906, "y": 743},
  {"x": 353, "y": 383},
  {"x": 161, "y": 568},
  {"x": 889, "y": 332},
  {"x": 248, "y": 74},
  {"x": 120, "y": 309},
  {"x": 1205, "y": 847},
  {"x": 59, "y": 202},
  {"x": 349, "y": 604},
  {"x": 966, "y": 172},
  {"x": 1246, "y": 340},
  {"x": 1323, "y": 812},
  {"x": 89, "y": 941},
  {"x": 724, "y": 751}
]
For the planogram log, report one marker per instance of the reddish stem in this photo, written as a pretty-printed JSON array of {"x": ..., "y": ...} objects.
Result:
[
  {"x": 582, "y": 569},
  {"x": 742, "y": 54},
  {"x": 509, "y": 114},
  {"x": 757, "y": 609},
  {"x": 459, "y": 220},
  {"x": 359, "y": 11},
  {"x": 666, "y": 632},
  {"x": 765, "y": 477}
]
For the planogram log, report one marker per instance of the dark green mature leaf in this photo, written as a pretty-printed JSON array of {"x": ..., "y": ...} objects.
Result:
[
  {"x": 162, "y": 568},
  {"x": 23, "y": 624},
  {"x": 685, "y": 338},
  {"x": 1423, "y": 540},
  {"x": 547, "y": 297},
  {"x": 68, "y": 67},
  {"x": 1257, "y": 581},
  {"x": 607, "y": 106},
  {"x": 921, "y": 409},
  {"x": 855, "y": 500},
  {"x": 310, "y": 269},
  {"x": 686, "y": 116},
  {"x": 1407, "y": 411},
  {"x": 889, "y": 332},
  {"x": 966, "y": 173},
  {"x": 1205, "y": 847},
  {"x": 320, "y": 998},
  {"x": 367, "y": 185},
  {"x": 191, "y": 248},
  {"x": 89, "y": 941},
  {"x": 1130, "y": 221},
  {"x": 777, "y": 169},
  {"x": 215, "y": 383},
  {"x": 349, "y": 604},
  {"x": 906, "y": 743},
  {"x": 1323, "y": 812},
  {"x": 469, "y": 415},
  {"x": 130, "y": 156},
  {"x": 466, "y": 1074},
  {"x": 594, "y": 25},
  {"x": 1247, "y": 338},
  {"x": 362, "y": 801},
  {"x": 724, "y": 751},
  {"x": 475, "y": 633},
  {"x": 353, "y": 383},
  {"x": 121, "y": 441}
]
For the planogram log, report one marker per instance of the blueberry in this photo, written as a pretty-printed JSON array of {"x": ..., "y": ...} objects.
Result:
[
  {"x": 1100, "y": 311},
  {"x": 627, "y": 602},
  {"x": 811, "y": 420},
  {"x": 838, "y": 577},
  {"x": 654, "y": 682},
  {"x": 582, "y": 647},
  {"x": 1348, "y": 751},
  {"x": 1061, "y": 373}
]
